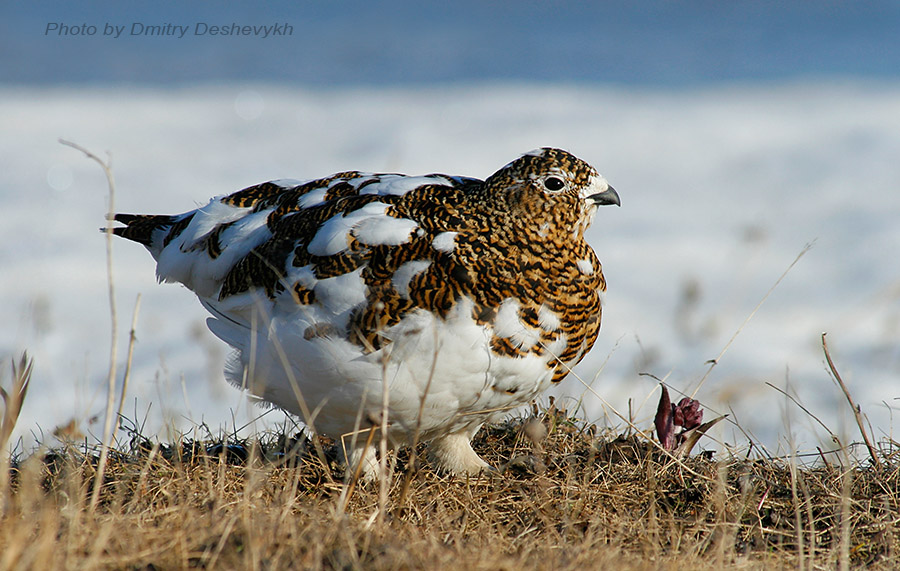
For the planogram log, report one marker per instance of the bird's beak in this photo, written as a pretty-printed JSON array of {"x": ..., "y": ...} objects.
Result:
[{"x": 608, "y": 196}]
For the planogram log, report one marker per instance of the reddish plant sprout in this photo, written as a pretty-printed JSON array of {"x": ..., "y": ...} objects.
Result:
[
  {"x": 687, "y": 414},
  {"x": 665, "y": 424}
]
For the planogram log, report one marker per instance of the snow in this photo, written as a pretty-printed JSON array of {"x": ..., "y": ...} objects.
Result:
[{"x": 722, "y": 187}]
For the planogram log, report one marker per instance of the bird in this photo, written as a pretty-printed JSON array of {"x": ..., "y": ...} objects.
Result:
[{"x": 420, "y": 306}]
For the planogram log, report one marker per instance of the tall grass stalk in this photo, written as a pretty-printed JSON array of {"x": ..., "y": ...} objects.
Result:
[{"x": 114, "y": 329}]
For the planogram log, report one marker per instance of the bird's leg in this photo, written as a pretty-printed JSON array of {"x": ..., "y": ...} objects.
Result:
[{"x": 453, "y": 453}]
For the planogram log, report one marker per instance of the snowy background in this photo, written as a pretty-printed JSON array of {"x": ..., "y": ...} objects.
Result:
[{"x": 735, "y": 135}]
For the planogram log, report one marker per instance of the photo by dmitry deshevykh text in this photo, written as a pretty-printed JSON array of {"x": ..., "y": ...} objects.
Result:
[{"x": 168, "y": 30}]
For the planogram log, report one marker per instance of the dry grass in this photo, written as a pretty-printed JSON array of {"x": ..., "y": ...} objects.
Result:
[{"x": 575, "y": 499}]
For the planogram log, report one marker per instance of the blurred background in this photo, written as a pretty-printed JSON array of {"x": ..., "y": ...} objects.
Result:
[
  {"x": 349, "y": 43},
  {"x": 738, "y": 134}
]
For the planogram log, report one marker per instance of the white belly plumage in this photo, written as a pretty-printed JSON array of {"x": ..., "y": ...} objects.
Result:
[{"x": 440, "y": 374}]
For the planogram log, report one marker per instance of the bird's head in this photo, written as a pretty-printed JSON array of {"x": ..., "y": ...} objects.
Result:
[{"x": 550, "y": 187}]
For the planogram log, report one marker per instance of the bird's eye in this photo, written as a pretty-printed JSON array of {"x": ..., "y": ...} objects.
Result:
[{"x": 554, "y": 183}]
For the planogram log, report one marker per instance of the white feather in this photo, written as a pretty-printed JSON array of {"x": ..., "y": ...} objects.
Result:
[
  {"x": 182, "y": 261},
  {"x": 341, "y": 293},
  {"x": 384, "y": 230},
  {"x": 586, "y": 267},
  {"x": 208, "y": 217},
  {"x": 508, "y": 325},
  {"x": 358, "y": 181},
  {"x": 444, "y": 242},
  {"x": 312, "y": 198},
  {"x": 406, "y": 272},
  {"x": 507, "y": 321},
  {"x": 303, "y": 275},
  {"x": 596, "y": 185},
  {"x": 399, "y": 185},
  {"x": 548, "y": 319},
  {"x": 288, "y": 182},
  {"x": 332, "y": 237}
]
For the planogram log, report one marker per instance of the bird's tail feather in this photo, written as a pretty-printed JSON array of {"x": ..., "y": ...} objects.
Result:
[{"x": 142, "y": 228}]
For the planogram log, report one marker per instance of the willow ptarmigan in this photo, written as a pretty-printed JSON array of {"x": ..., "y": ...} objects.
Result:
[{"x": 466, "y": 298}]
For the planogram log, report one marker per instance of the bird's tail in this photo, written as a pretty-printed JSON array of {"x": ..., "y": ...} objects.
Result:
[{"x": 154, "y": 231}]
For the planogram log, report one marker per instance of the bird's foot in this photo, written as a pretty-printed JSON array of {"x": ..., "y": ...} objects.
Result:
[
  {"x": 453, "y": 453},
  {"x": 361, "y": 462}
]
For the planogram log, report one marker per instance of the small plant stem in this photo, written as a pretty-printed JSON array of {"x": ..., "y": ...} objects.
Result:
[
  {"x": 131, "y": 340},
  {"x": 856, "y": 411}
]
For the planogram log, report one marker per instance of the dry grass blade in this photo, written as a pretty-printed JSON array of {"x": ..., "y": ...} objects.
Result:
[
  {"x": 354, "y": 481},
  {"x": 12, "y": 407},
  {"x": 692, "y": 436},
  {"x": 714, "y": 362},
  {"x": 132, "y": 337},
  {"x": 12, "y": 400},
  {"x": 832, "y": 435},
  {"x": 113, "y": 350},
  {"x": 857, "y": 414}
]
